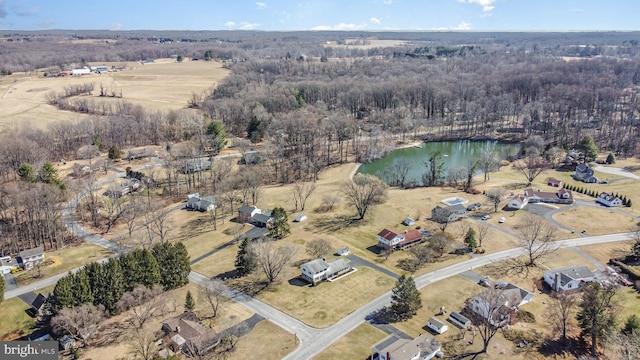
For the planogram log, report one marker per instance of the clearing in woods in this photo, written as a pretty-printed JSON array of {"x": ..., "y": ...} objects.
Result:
[{"x": 162, "y": 85}]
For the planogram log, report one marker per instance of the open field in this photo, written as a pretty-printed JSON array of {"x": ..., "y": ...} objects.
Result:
[
  {"x": 356, "y": 345},
  {"x": 266, "y": 341},
  {"x": 592, "y": 219},
  {"x": 14, "y": 321},
  {"x": 162, "y": 85},
  {"x": 603, "y": 252},
  {"x": 63, "y": 261}
]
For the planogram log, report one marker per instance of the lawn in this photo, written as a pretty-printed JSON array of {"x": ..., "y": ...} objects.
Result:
[
  {"x": 582, "y": 218},
  {"x": 63, "y": 261},
  {"x": 356, "y": 345},
  {"x": 265, "y": 341},
  {"x": 603, "y": 252},
  {"x": 14, "y": 321}
]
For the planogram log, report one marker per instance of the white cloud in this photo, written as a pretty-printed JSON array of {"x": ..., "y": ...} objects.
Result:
[
  {"x": 20, "y": 12},
  {"x": 374, "y": 20},
  {"x": 116, "y": 27},
  {"x": 261, "y": 5},
  {"x": 387, "y": 2},
  {"x": 463, "y": 25},
  {"x": 339, "y": 27},
  {"x": 487, "y": 5},
  {"x": 229, "y": 24},
  {"x": 248, "y": 26}
]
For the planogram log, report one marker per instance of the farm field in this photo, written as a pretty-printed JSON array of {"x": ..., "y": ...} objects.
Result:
[{"x": 161, "y": 85}]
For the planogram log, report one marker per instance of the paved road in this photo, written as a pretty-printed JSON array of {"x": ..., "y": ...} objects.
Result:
[{"x": 616, "y": 171}]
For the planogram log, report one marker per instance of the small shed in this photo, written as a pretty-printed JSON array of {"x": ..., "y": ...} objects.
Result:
[
  {"x": 300, "y": 218},
  {"x": 459, "y": 320},
  {"x": 408, "y": 221},
  {"x": 437, "y": 325},
  {"x": 343, "y": 251}
]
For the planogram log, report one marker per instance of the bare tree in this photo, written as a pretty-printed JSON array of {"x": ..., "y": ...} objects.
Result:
[
  {"x": 537, "y": 239},
  {"x": 628, "y": 345},
  {"x": 438, "y": 243},
  {"x": 488, "y": 162},
  {"x": 301, "y": 192},
  {"x": 143, "y": 302},
  {"x": 396, "y": 174},
  {"x": 495, "y": 196},
  {"x": 212, "y": 291},
  {"x": 560, "y": 313},
  {"x": 142, "y": 344},
  {"x": 115, "y": 208},
  {"x": 481, "y": 233},
  {"x": 81, "y": 322},
  {"x": 487, "y": 316},
  {"x": 531, "y": 166},
  {"x": 330, "y": 201},
  {"x": 272, "y": 259},
  {"x": 318, "y": 248},
  {"x": 364, "y": 191},
  {"x": 157, "y": 223}
]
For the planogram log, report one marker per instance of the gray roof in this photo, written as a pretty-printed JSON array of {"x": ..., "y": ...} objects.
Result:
[
  {"x": 457, "y": 208},
  {"x": 337, "y": 265},
  {"x": 317, "y": 265},
  {"x": 262, "y": 218},
  {"x": 39, "y": 301},
  {"x": 571, "y": 273},
  {"x": 31, "y": 252},
  {"x": 247, "y": 209},
  {"x": 436, "y": 322}
]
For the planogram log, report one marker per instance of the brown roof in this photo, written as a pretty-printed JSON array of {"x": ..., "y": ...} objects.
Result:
[
  {"x": 188, "y": 326},
  {"x": 388, "y": 234},
  {"x": 411, "y": 236}
]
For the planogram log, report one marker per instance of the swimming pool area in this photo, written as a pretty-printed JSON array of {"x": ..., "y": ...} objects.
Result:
[{"x": 454, "y": 201}]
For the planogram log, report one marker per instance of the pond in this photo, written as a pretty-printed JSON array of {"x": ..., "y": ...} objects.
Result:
[{"x": 455, "y": 154}]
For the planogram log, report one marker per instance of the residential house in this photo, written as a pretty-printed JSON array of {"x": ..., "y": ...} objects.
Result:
[
  {"x": 447, "y": 214},
  {"x": 139, "y": 153},
  {"x": 7, "y": 264},
  {"x": 562, "y": 196},
  {"x": 388, "y": 238},
  {"x": 28, "y": 258},
  {"x": 246, "y": 212},
  {"x": 263, "y": 219},
  {"x": 608, "y": 199},
  {"x": 437, "y": 325},
  {"x": 517, "y": 202},
  {"x": 459, "y": 320},
  {"x": 200, "y": 203},
  {"x": 127, "y": 186},
  {"x": 184, "y": 333},
  {"x": 80, "y": 170},
  {"x": 570, "y": 278},
  {"x": 408, "y": 221},
  {"x": 585, "y": 174},
  {"x": 424, "y": 347},
  {"x": 196, "y": 165},
  {"x": 555, "y": 182},
  {"x": 499, "y": 305},
  {"x": 319, "y": 270}
]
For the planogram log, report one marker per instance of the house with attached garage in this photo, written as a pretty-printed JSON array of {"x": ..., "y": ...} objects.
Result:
[
  {"x": 389, "y": 239},
  {"x": 499, "y": 306},
  {"x": 246, "y": 212},
  {"x": 517, "y": 202},
  {"x": 447, "y": 214},
  {"x": 7, "y": 264},
  {"x": 569, "y": 278},
  {"x": 424, "y": 347},
  {"x": 27, "y": 259},
  {"x": 184, "y": 333},
  {"x": 319, "y": 270},
  {"x": 263, "y": 220},
  {"x": 585, "y": 174},
  {"x": 562, "y": 196},
  {"x": 608, "y": 199},
  {"x": 200, "y": 203}
]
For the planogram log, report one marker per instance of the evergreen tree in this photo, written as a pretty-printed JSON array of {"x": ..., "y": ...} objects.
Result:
[
  {"x": 217, "y": 134},
  {"x": 629, "y": 203},
  {"x": 115, "y": 153},
  {"x": 81, "y": 288},
  {"x": 49, "y": 175},
  {"x": 588, "y": 148},
  {"x": 26, "y": 172},
  {"x": 174, "y": 263},
  {"x": 631, "y": 324},
  {"x": 245, "y": 261},
  {"x": 470, "y": 239},
  {"x": 405, "y": 299},
  {"x": 256, "y": 129},
  {"x": 596, "y": 316},
  {"x": 62, "y": 293},
  {"x": 2, "y": 287},
  {"x": 189, "y": 303},
  {"x": 280, "y": 226},
  {"x": 97, "y": 142},
  {"x": 611, "y": 159},
  {"x": 107, "y": 283},
  {"x": 140, "y": 267}
]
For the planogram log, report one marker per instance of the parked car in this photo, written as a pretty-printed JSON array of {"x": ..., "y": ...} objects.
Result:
[
  {"x": 501, "y": 220},
  {"x": 484, "y": 282},
  {"x": 486, "y": 217},
  {"x": 474, "y": 206}
]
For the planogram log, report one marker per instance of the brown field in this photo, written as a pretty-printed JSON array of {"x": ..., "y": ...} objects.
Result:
[
  {"x": 356, "y": 345},
  {"x": 265, "y": 341},
  {"x": 592, "y": 220},
  {"x": 162, "y": 85},
  {"x": 603, "y": 252},
  {"x": 63, "y": 261},
  {"x": 369, "y": 44}
]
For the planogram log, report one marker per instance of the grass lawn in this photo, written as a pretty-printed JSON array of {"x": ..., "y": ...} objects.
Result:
[
  {"x": 356, "y": 345},
  {"x": 265, "y": 341},
  {"x": 14, "y": 321},
  {"x": 326, "y": 303},
  {"x": 583, "y": 218},
  {"x": 604, "y": 252},
  {"x": 63, "y": 261}
]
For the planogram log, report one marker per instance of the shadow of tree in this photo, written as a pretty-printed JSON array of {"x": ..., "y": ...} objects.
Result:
[{"x": 333, "y": 223}]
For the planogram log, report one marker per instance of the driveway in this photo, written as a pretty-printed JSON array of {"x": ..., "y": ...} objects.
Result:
[
  {"x": 616, "y": 171},
  {"x": 358, "y": 261}
]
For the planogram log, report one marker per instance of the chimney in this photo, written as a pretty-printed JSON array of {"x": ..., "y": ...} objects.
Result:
[
  {"x": 556, "y": 283},
  {"x": 178, "y": 329}
]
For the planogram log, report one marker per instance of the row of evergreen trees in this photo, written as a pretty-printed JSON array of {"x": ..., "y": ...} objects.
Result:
[
  {"x": 583, "y": 190},
  {"x": 165, "y": 264}
]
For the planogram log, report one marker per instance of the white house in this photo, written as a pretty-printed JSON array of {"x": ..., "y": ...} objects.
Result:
[
  {"x": 28, "y": 258},
  {"x": 83, "y": 71},
  {"x": 319, "y": 270},
  {"x": 499, "y": 305},
  {"x": 569, "y": 278},
  {"x": 518, "y": 202},
  {"x": 585, "y": 174},
  {"x": 608, "y": 199},
  {"x": 424, "y": 347},
  {"x": 7, "y": 264},
  {"x": 99, "y": 69},
  {"x": 390, "y": 239},
  {"x": 437, "y": 325},
  {"x": 562, "y": 196},
  {"x": 200, "y": 203}
]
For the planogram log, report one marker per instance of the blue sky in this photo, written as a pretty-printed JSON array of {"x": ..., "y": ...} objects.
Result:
[{"x": 288, "y": 15}]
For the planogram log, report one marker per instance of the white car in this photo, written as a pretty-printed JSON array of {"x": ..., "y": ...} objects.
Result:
[
  {"x": 486, "y": 217},
  {"x": 501, "y": 220}
]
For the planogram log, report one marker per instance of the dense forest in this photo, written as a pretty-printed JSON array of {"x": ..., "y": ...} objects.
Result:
[{"x": 310, "y": 105}]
